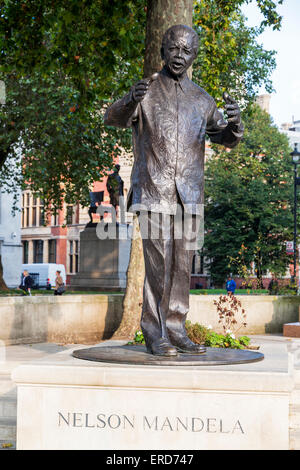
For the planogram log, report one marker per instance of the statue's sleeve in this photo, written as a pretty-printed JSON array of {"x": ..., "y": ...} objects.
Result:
[
  {"x": 122, "y": 113},
  {"x": 221, "y": 132}
]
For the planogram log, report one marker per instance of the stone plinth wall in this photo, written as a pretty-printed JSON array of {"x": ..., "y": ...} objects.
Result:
[
  {"x": 265, "y": 313},
  {"x": 90, "y": 318},
  {"x": 66, "y": 319}
]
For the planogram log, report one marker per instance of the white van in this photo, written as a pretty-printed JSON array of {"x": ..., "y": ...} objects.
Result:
[{"x": 44, "y": 274}]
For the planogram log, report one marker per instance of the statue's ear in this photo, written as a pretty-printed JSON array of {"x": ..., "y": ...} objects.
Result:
[{"x": 162, "y": 53}]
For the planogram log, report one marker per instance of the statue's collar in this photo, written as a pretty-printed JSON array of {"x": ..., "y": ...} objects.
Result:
[{"x": 183, "y": 82}]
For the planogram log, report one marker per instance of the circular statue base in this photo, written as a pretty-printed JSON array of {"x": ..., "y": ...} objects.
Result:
[{"x": 137, "y": 355}]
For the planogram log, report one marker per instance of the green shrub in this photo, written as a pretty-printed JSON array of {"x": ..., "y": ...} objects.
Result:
[
  {"x": 196, "y": 332},
  {"x": 199, "y": 334},
  {"x": 216, "y": 340},
  {"x": 138, "y": 338}
]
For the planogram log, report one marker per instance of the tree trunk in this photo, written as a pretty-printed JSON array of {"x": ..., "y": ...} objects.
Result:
[
  {"x": 3, "y": 156},
  {"x": 161, "y": 14},
  {"x": 3, "y": 286},
  {"x": 133, "y": 299},
  {"x": 259, "y": 274}
]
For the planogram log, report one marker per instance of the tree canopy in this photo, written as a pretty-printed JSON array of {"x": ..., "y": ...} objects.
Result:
[
  {"x": 230, "y": 58},
  {"x": 62, "y": 62},
  {"x": 249, "y": 201}
]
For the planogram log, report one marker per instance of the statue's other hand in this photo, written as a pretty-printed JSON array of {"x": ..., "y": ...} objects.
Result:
[
  {"x": 232, "y": 109},
  {"x": 140, "y": 89}
]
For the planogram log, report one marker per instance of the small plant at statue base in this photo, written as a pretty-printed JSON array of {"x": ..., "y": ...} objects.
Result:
[
  {"x": 138, "y": 338},
  {"x": 204, "y": 335},
  {"x": 196, "y": 332},
  {"x": 231, "y": 314},
  {"x": 218, "y": 340},
  {"x": 200, "y": 334}
]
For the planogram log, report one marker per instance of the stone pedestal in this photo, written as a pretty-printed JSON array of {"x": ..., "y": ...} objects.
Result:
[
  {"x": 66, "y": 403},
  {"x": 292, "y": 330},
  {"x": 103, "y": 262}
]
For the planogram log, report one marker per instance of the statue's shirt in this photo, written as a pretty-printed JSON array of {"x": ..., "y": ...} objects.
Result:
[{"x": 169, "y": 127}]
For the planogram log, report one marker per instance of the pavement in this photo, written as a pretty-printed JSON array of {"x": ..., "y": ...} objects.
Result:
[{"x": 276, "y": 349}]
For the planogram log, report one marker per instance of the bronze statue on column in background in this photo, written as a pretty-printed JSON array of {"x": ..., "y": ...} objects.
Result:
[{"x": 115, "y": 187}]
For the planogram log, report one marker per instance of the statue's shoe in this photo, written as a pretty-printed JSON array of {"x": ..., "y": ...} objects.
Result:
[
  {"x": 185, "y": 345},
  {"x": 161, "y": 347}
]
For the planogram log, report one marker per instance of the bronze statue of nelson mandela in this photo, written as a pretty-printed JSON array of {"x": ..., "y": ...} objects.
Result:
[{"x": 170, "y": 116}]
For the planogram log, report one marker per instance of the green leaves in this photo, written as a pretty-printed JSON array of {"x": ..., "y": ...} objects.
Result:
[
  {"x": 249, "y": 201},
  {"x": 82, "y": 39},
  {"x": 230, "y": 59},
  {"x": 62, "y": 62},
  {"x": 63, "y": 152}
]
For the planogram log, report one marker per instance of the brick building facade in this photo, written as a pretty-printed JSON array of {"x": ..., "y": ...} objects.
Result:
[{"x": 56, "y": 240}]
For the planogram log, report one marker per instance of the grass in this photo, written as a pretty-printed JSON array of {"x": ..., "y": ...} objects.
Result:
[
  {"x": 42, "y": 292},
  {"x": 223, "y": 291}
]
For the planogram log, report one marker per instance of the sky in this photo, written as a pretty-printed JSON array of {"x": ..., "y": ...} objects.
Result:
[{"x": 285, "y": 101}]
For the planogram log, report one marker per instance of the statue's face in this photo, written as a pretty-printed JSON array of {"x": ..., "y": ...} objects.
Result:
[{"x": 178, "y": 53}]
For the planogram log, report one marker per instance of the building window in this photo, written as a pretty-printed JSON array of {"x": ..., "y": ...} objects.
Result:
[
  {"x": 41, "y": 213},
  {"x": 32, "y": 211},
  {"x": 73, "y": 256},
  {"x": 23, "y": 205},
  {"x": 70, "y": 212},
  {"x": 55, "y": 217},
  {"x": 25, "y": 251},
  {"x": 52, "y": 251},
  {"x": 38, "y": 248},
  {"x": 34, "y": 208},
  {"x": 198, "y": 263},
  {"x": 25, "y": 209},
  {"x": 76, "y": 254}
]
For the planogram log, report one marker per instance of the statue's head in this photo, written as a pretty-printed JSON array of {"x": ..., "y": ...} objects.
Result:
[
  {"x": 179, "y": 48},
  {"x": 117, "y": 168}
]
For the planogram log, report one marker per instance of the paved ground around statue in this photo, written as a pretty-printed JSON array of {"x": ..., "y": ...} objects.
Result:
[{"x": 274, "y": 347}]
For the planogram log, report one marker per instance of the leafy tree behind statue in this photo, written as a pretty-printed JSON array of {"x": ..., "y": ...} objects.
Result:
[
  {"x": 85, "y": 53},
  {"x": 249, "y": 193}
]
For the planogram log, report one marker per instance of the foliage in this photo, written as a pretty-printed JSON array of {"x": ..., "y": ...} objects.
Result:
[
  {"x": 63, "y": 150},
  {"x": 223, "y": 291},
  {"x": 232, "y": 316},
  {"x": 239, "y": 264},
  {"x": 83, "y": 39},
  {"x": 230, "y": 59},
  {"x": 290, "y": 289},
  {"x": 201, "y": 335},
  {"x": 249, "y": 200},
  {"x": 138, "y": 338},
  {"x": 196, "y": 332},
  {"x": 215, "y": 340},
  {"x": 61, "y": 63}
]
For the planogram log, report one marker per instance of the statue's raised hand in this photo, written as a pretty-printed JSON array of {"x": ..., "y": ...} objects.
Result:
[
  {"x": 140, "y": 89},
  {"x": 232, "y": 109}
]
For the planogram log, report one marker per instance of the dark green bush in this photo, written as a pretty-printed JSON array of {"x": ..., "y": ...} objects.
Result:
[{"x": 199, "y": 334}]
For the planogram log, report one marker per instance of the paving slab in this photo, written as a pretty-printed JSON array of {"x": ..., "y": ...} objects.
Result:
[
  {"x": 281, "y": 355},
  {"x": 274, "y": 347}
]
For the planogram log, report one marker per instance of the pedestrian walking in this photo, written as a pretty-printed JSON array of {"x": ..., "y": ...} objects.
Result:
[
  {"x": 230, "y": 285},
  {"x": 26, "y": 283},
  {"x": 59, "y": 284}
]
